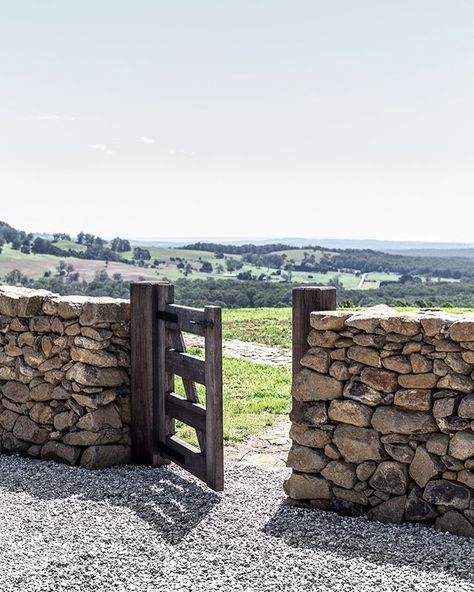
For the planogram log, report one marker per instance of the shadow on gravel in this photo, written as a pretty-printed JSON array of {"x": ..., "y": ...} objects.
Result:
[
  {"x": 170, "y": 504},
  {"x": 400, "y": 545}
]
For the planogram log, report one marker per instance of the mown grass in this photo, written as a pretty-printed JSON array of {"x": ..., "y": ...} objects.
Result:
[
  {"x": 69, "y": 244},
  {"x": 270, "y": 326},
  {"x": 255, "y": 396}
]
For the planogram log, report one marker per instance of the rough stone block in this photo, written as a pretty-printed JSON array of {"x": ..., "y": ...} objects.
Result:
[
  {"x": 365, "y": 355},
  {"x": 390, "y": 511},
  {"x": 390, "y": 477},
  {"x": 340, "y": 473},
  {"x": 455, "y": 523},
  {"x": 329, "y": 320},
  {"x": 385, "y": 381},
  {"x": 357, "y": 444},
  {"x": 99, "y": 457},
  {"x": 306, "y": 460},
  {"x": 300, "y": 486},
  {"x": 358, "y": 391},
  {"x": 307, "y": 386},
  {"x": 308, "y": 436},
  {"x": 447, "y": 493},
  {"x": 413, "y": 399},
  {"x": 60, "y": 452},
  {"x": 425, "y": 466},
  {"x": 462, "y": 445},
  {"x": 316, "y": 359},
  {"x": 351, "y": 412},
  {"x": 388, "y": 420}
]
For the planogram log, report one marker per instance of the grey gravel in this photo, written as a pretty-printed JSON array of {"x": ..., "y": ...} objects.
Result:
[
  {"x": 136, "y": 528},
  {"x": 248, "y": 350}
]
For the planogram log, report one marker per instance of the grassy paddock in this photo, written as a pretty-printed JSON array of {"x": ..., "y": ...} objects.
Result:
[
  {"x": 255, "y": 396},
  {"x": 271, "y": 326}
]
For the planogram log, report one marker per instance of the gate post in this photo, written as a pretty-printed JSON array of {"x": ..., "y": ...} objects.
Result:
[
  {"x": 306, "y": 299},
  {"x": 144, "y": 351}
]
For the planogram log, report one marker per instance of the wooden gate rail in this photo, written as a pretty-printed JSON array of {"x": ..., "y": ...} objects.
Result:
[{"x": 158, "y": 355}]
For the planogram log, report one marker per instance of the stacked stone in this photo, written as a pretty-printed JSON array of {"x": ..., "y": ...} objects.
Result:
[
  {"x": 383, "y": 417},
  {"x": 64, "y": 377}
]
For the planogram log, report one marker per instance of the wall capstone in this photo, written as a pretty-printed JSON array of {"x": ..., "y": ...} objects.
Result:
[
  {"x": 383, "y": 417},
  {"x": 65, "y": 377}
]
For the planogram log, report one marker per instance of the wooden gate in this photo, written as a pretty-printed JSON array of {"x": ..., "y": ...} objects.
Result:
[{"x": 158, "y": 356}]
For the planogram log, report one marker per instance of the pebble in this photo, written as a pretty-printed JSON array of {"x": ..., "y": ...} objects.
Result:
[{"x": 152, "y": 530}]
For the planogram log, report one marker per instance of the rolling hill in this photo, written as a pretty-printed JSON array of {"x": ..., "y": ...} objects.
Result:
[{"x": 86, "y": 257}]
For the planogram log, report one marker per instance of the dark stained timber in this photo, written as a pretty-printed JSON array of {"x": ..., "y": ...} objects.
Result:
[
  {"x": 192, "y": 414},
  {"x": 214, "y": 399},
  {"x": 144, "y": 371},
  {"x": 189, "y": 367},
  {"x": 158, "y": 354},
  {"x": 305, "y": 301}
]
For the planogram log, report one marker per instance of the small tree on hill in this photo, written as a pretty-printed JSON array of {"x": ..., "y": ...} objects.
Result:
[{"x": 140, "y": 254}]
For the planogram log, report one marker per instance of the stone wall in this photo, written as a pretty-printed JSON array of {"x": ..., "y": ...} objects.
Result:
[
  {"x": 382, "y": 418},
  {"x": 64, "y": 377}
]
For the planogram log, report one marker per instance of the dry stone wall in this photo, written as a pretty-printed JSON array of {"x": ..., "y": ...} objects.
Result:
[
  {"x": 383, "y": 417},
  {"x": 64, "y": 377}
]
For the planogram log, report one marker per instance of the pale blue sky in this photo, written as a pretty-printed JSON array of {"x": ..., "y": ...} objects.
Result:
[{"x": 256, "y": 118}]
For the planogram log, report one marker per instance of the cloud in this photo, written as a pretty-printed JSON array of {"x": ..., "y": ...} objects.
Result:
[
  {"x": 146, "y": 140},
  {"x": 55, "y": 117},
  {"x": 185, "y": 153},
  {"x": 103, "y": 148}
]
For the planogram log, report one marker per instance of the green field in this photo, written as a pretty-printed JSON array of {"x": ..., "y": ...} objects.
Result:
[
  {"x": 31, "y": 265},
  {"x": 255, "y": 396},
  {"x": 164, "y": 253},
  {"x": 34, "y": 266},
  {"x": 65, "y": 244},
  {"x": 297, "y": 255},
  {"x": 270, "y": 326}
]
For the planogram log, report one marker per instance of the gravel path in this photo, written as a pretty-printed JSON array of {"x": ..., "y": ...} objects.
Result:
[
  {"x": 140, "y": 529},
  {"x": 269, "y": 447},
  {"x": 248, "y": 350}
]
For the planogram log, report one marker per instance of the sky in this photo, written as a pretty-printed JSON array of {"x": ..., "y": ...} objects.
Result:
[{"x": 252, "y": 119}]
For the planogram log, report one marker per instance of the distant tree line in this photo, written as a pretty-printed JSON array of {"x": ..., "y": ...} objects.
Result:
[
  {"x": 96, "y": 248},
  {"x": 237, "y": 249},
  {"x": 252, "y": 294},
  {"x": 265, "y": 259},
  {"x": 338, "y": 260},
  {"x": 366, "y": 261}
]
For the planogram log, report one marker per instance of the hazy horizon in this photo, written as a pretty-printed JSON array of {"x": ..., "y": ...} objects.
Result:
[{"x": 253, "y": 119}]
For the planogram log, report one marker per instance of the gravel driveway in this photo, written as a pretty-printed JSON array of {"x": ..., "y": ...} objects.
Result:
[{"x": 134, "y": 528}]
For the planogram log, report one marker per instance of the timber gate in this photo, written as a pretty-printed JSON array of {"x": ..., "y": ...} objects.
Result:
[{"x": 158, "y": 356}]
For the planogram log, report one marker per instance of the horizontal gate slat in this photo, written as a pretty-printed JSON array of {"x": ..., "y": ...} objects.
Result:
[
  {"x": 186, "y": 366},
  {"x": 192, "y": 414},
  {"x": 189, "y": 386},
  {"x": 186, "y": 456},
  {"x": 189, "y": 320}
]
